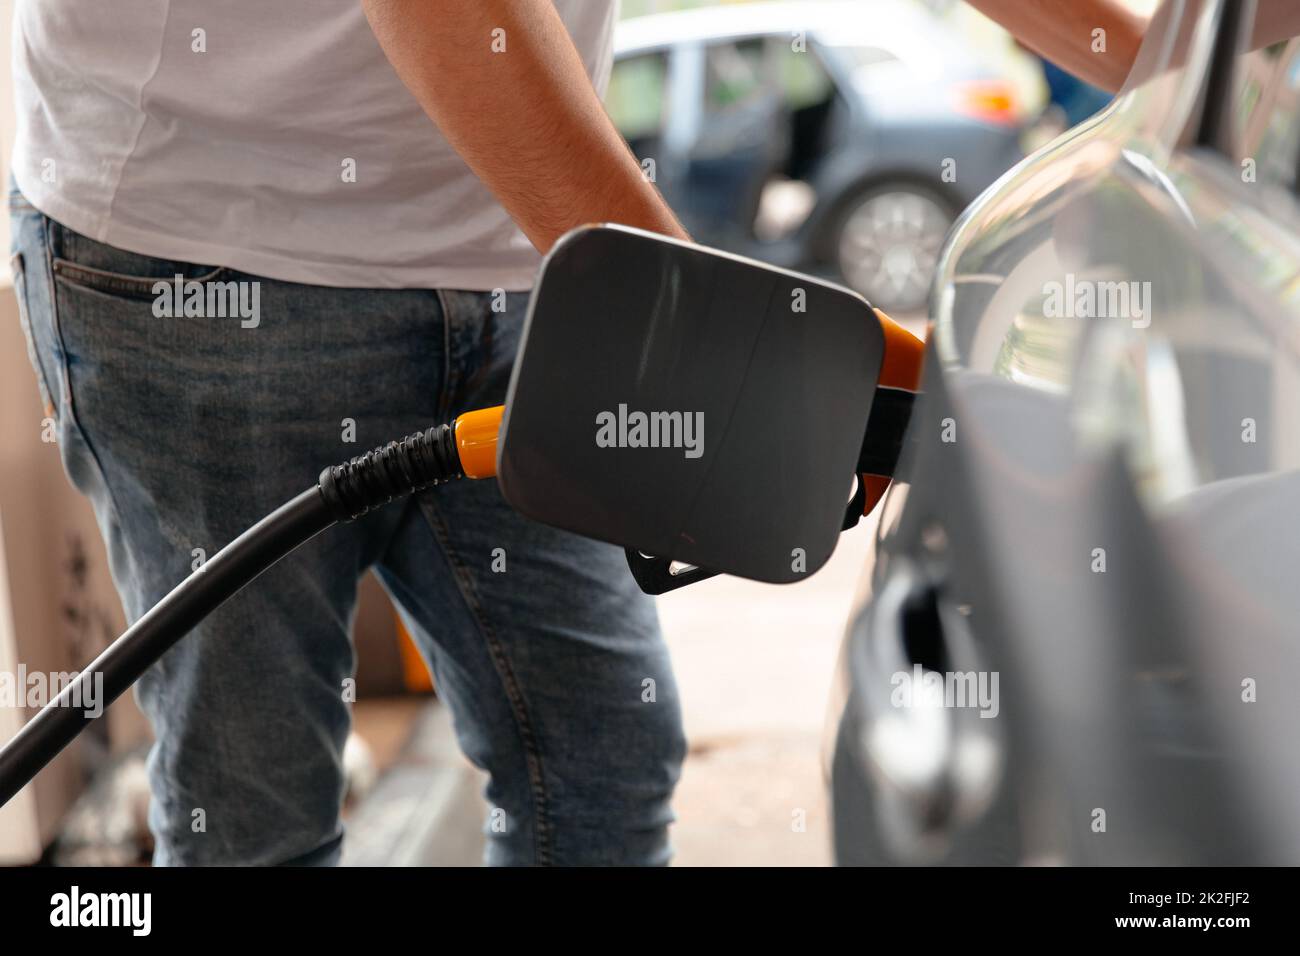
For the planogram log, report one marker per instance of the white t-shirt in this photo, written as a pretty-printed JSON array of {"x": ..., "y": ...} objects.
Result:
[{"x": 269, "y": 136}]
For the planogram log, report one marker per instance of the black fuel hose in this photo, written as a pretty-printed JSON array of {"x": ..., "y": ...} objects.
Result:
[{"x": 344, "y": 492}]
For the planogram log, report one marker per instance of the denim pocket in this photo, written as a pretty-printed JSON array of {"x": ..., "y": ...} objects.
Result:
[
  {"x": 83, "y": 262},
  {"x": 129, "y": 286},
  {"x": 18, "y": 267}
]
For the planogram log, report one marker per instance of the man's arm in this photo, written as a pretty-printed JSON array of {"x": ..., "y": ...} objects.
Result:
[
  {"x": 527, "y": 120},
  {"x": 1062, "y": 32}
]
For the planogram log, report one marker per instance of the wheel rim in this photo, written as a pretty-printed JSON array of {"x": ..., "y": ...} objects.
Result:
[{"x": 889, "y": 247}]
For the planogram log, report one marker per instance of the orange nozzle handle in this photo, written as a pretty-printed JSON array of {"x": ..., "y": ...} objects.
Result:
[
  {"x": 900, "y": 368},
  {"x": 476, "y": 441},
  {"x": 904, "y": 353},
  {"x": 476, "y": 432}
]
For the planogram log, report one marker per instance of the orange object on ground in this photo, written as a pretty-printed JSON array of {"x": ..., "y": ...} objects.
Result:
[{"x": 415, "y": 674}]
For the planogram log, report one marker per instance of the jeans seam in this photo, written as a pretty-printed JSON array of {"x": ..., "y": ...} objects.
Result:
[
  {"x": 61, "y": 361},
  {"x": 527, "y": 734},
  {"x": 18, "y": 267},
  {"x": 448, "y": 375}
]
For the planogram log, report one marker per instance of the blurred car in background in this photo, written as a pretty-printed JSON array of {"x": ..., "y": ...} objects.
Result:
[
  {"x": 841, "y": 136},
  {"x": 1092, "y": 549}
]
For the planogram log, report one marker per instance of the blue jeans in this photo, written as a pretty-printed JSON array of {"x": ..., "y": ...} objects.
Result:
[{"x": 183, "y": 431}]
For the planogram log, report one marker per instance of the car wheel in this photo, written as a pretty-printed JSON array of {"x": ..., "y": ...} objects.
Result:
[{"x": 887, "y": 244}]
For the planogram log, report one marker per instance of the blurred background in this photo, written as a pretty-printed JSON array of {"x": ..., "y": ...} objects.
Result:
[
  {"x": 825, "y": 136},
  {"x": 837, "y": 138}
]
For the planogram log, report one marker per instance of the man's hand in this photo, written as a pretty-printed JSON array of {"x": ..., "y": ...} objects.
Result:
[{"x": 527, "y": 120}]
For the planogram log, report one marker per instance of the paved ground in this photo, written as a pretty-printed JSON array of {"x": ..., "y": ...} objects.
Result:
[
  {"x": 755, "y": 664},
  {"x": 427, "y": 808}
]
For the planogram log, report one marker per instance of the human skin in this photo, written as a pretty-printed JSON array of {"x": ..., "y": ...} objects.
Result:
[
  {"x": 526, "y": 120},
  {"x": 1061, "y": 31}
]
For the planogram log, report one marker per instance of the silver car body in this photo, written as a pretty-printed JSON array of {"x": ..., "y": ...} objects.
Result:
[{"x": 1099, "y": 515}]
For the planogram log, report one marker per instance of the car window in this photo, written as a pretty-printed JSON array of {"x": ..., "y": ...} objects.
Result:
[
  {"x": 799, "y": 73},
  {"x": 1266, "y": 113},
  {"x": 733, "y": 74},
  {"x": 636, "y": 95}
]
